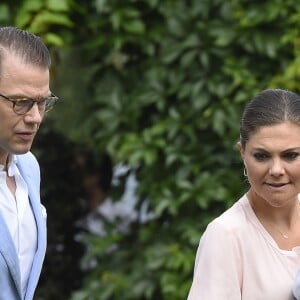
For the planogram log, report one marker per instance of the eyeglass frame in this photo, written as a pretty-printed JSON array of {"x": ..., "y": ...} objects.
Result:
[{"x": 17, "y": 101}]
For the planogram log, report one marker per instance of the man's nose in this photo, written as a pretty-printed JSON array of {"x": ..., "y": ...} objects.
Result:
[{"x": 34, "y": 115}]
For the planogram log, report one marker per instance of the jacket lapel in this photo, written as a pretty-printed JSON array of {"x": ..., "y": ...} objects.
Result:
[
  {"x": 9, "y": 254},
  {"x": 34, "y": 198}
]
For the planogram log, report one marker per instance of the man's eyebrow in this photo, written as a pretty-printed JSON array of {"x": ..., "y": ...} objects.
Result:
[
  {"x": 16, "y": 96},
  {"x": 22, "y": 96}
]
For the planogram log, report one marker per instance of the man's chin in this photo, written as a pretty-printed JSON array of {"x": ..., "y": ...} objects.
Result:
[{"x": 21, "y": 151}]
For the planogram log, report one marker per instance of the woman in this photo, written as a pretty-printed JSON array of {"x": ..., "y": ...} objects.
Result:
[{"x": 252, "y": 251}]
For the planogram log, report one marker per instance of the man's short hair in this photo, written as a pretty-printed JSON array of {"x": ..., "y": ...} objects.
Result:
[{"x": 26, "y": 46}]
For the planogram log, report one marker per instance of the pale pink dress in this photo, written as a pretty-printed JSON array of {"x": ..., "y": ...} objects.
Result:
[{"x": 238, "y": 259}]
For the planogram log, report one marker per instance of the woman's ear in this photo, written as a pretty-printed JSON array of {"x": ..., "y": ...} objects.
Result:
[{"x": 240, "y": 148}]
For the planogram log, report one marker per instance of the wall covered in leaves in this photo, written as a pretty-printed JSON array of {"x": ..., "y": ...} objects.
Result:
[{"x": 160, "y": 87}]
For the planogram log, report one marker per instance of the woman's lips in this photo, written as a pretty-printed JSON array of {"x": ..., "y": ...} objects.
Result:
[{"x": 277, "y": 186}]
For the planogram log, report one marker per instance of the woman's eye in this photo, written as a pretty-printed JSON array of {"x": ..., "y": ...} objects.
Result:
[
  {"x": 261, "y": 156},
  {"x": 291, "y": 155}
]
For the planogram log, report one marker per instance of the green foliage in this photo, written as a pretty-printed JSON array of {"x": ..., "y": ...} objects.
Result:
[
  {"x": 160, "y": 86},
  {"x": 165, "y": 87},
  {"x": 46, "y": 18},
  {"x": 61, "y": 193}
]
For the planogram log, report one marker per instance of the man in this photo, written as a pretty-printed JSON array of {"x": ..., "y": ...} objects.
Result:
[{"x": 25, "y": 97}]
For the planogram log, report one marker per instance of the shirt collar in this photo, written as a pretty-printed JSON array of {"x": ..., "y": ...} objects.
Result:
[
  {"x": 12, "y": 165},
  {"x": 12, "y": 162}
]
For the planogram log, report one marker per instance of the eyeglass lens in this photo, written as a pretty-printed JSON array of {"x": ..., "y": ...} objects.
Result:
[{"x": 44, "y": 105}]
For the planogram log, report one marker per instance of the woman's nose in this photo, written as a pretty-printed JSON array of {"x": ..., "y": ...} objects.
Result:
[{"x": 276, "y": 168}]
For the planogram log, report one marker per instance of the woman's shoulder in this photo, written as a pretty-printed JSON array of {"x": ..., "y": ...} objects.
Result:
[{"x": 236, "y": 218}]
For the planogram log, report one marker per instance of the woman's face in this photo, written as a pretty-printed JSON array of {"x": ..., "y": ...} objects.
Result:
[{"x": 272, "y": 161}]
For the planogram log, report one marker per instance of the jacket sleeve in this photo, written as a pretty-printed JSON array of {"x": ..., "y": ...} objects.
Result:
[
  {"x": 217, "y": 272},
  {"x": 297, "y": 287}
]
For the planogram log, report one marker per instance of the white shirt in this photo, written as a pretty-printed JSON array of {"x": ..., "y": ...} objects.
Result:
[
  {"x": 19, "y": 218},
  {"x": 238, "y": 259}
]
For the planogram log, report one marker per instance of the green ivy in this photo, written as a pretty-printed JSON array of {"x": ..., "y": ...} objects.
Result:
[{"x": 160, "y": 86}]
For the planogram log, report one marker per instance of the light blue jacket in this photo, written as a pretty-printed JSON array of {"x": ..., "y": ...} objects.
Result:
[
  {"x": 297, "y": 287},
  {"x": 10, "y": 278}
]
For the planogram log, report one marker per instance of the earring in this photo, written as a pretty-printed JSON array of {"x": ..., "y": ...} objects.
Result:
[{"x": 245, "y": 172}]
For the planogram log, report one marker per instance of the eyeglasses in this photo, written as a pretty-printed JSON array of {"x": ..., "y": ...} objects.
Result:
[{"x": 23, "y": 105}]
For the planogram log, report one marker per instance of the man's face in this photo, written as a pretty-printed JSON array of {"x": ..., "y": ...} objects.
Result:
[{"x": 20, "y": 80}]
